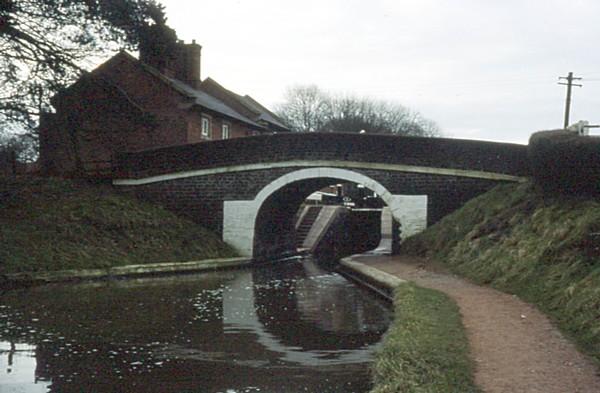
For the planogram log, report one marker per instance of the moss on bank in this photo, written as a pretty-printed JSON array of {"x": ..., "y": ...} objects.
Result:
[
  {"x": 54, "y": 224},
  {"x": 425, "y": 349},
  {"x": 545, "y": 249}
]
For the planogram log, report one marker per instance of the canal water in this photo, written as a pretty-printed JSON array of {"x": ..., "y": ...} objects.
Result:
[{"x": 291, "y": 327}]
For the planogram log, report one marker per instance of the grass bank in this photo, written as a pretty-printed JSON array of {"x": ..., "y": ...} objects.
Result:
[
  {"x": 545, "y": 249},
  {"x": 55, "y": 224},
  {"x": 425, "y": 349}
]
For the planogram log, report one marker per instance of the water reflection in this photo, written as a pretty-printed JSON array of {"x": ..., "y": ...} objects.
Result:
[
  {"x": 319, "y": 311},
  {"x": 290, "y": 328},
  {"x": 18, "y": 369}
]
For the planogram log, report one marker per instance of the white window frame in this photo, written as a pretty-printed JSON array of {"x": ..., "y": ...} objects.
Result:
[
  {"x": 205, "y": 124},
  {"x": 225, "y": 131}
]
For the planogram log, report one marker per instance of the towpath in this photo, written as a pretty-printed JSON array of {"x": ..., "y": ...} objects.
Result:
[{"x": 515, "y": 347}]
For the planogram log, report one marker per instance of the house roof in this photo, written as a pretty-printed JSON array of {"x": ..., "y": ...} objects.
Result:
[
  {"x": 199, "y": 98},
  {"x": 265, "y": 114},
  {"x": 209, "y": 102},
  {"x": 210, "y": 95},
  {"x": 243, "y": 104}
]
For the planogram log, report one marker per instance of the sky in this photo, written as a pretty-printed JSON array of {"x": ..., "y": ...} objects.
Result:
[{"x": 480, "y": 69}]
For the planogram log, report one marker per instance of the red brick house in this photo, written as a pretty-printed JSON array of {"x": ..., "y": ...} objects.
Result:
[{"x": 128, "y": 104}]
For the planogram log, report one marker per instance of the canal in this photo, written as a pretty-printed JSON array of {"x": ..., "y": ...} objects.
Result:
[{"x": 291, "y": 327}]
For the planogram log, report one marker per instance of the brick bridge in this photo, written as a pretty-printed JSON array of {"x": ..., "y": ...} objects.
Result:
[{"x": 249, "y": 189}]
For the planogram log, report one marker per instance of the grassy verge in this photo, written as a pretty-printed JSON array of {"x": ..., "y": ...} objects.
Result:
[
  {"x": 53, "y": 224},
  {"x": 546, "y": 249},
  {"x": 426, "y": 349}
]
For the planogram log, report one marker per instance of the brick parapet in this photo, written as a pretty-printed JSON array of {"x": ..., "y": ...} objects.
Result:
[{"x": 493, "y": 157}]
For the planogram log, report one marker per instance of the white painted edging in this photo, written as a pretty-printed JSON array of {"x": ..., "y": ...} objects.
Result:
[
  {"x": 321, "y": 163},
  {"x": 239, "y": 217},
  {"x": 376, "y": 275}
]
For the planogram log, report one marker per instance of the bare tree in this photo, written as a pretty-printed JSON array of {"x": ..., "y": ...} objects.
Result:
[
  {"x": 44, "y": 45},
  {"x": 303, "y": 108},
  {"x": 308, "y": 109}
]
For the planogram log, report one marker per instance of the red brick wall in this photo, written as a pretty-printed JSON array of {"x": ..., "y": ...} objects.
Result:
[
  {"x": 239, "y": 130},
  {"x": 194, "y": 132},
  {"x": 122, "y": 107},
  {"x": 153, "y": 97},
  {"x": 97, "y": 120},
  {"x": 236, "y": 129}
]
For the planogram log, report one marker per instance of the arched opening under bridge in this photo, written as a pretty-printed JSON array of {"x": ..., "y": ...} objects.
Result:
[{"x": 265, "y": 226}]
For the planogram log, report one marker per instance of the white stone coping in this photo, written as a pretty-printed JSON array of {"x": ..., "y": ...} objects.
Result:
[{"x": 322, "y": 163}]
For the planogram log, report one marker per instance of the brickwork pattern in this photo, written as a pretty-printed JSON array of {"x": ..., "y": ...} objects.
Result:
[
  {"x": 430, "y": 152},
  {"x": 201, "y": 198}
]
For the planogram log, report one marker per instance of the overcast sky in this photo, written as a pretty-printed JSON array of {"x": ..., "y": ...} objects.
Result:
[{"x": 480, "y": 69}]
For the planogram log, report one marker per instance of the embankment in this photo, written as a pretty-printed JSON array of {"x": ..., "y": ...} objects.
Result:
[
  {"x": 54, "y": 224},
  {"x": 543, "y": 247}
]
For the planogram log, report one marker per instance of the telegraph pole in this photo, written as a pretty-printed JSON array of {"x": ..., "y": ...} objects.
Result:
[{"x": 569, "y": 84}]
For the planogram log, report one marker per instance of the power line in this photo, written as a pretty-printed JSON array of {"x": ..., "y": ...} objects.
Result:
[{"x": 569, "y": 78}]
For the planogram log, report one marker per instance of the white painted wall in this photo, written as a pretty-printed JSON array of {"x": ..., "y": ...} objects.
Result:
[
  {"x": 239, "y": 217},
  {"x": 411, "y": 212},
  {"x": 387, "y": 223}
]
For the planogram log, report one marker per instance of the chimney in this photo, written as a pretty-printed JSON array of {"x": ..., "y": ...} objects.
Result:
[{"x": 187, "y": 67}]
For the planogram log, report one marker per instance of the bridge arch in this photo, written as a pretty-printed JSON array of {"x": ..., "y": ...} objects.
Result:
[{"x": 246, "y": 223}]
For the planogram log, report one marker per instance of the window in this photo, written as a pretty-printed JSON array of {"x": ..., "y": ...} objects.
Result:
[
  {"x": 205, "y": 126},
  {"x": 225, "y": 132}
]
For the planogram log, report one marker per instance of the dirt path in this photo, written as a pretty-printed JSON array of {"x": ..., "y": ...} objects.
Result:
[{"x": 515, "y": 347}]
